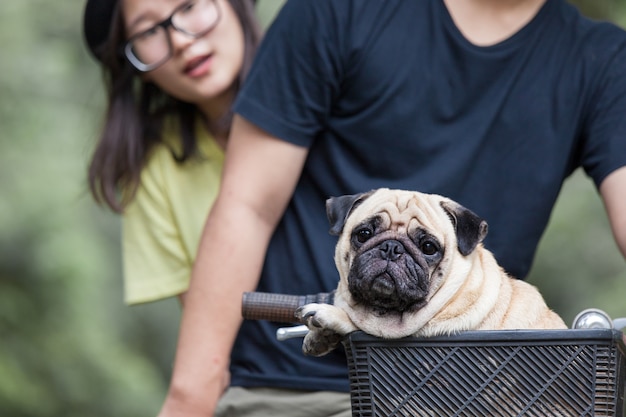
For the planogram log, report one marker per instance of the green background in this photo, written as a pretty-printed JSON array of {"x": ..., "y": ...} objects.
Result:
[{"x": 68, "y": 345}]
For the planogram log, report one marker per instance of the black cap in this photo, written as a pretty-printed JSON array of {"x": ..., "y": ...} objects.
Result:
[{"x": 97, "y": 21}]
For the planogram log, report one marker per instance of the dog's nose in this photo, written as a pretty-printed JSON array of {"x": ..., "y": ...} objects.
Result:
[{"x": 391, "y": 250}]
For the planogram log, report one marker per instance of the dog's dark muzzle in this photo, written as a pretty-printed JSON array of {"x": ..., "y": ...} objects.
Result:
[{"x": 390, "y": 276}]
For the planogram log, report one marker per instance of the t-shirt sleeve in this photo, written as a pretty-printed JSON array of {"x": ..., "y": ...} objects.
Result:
[
  {"x": 154, "y": 260},
  {"x": 296, "y": 73},
  {"x": 605, "y": 127}
]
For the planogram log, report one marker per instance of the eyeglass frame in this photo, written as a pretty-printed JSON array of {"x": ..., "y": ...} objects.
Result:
[{"x": 165, "y": 24}]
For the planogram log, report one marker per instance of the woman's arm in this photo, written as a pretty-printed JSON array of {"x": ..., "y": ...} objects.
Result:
[
  {"x": 613, "y": 191},
  {"x": 260, "y": 174}
]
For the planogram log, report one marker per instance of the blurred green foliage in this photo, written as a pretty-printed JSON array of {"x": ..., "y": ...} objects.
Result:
[{"x": 68, "y": 345}]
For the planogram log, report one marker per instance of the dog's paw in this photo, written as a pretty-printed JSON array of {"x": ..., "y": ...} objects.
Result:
[
  {"x": 325, "y": 316},
  {"x": 327, "y": 324},
  {"x": 319, "y": 342}
]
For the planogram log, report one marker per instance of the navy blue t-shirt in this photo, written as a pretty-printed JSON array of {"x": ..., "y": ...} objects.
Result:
[{"x": 390, "y": 94}]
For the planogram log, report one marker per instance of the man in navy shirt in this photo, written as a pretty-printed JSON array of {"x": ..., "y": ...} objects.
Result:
[{"x": 493, "y": 103}]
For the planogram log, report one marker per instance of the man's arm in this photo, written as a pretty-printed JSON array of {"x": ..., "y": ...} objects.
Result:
[
  {"x": 260, "y": 174},
  {"x": 613, "y": 191}
]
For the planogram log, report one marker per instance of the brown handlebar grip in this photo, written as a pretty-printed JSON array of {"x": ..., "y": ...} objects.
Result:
[{"x": 278, "y": 307}]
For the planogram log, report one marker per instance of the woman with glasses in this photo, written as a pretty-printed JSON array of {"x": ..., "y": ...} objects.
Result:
[{"x": 172, "y": 70}]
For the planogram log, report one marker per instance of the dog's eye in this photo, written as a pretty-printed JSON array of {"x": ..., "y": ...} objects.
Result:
[
  {"x": 428, "y": 248},
  {"x": 363, "y": 235}
]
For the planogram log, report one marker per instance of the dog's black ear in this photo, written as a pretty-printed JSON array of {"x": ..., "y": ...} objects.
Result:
[
  {"x": 470, "y": 228},
  {"x": 339, "y": 208}
]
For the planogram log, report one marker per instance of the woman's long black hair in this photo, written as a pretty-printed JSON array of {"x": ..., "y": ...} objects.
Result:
[{"x": 134, "y": 117}]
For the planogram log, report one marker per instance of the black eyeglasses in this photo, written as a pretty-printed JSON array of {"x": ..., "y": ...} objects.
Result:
[{"x": 151, "y": 48}]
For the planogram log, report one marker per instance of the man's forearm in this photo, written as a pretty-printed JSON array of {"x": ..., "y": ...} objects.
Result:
[
  {"x": 260, "y": 174},
  {"x": 228, "y": 266},
  {"x": 613, "y": 190}
]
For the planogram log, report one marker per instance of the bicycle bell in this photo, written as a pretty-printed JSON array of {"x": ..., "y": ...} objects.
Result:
[{"x": 592, "y": 318}]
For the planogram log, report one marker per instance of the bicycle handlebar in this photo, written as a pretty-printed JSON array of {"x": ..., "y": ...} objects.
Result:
[
  {"x": 278, "y": 307},
  {"x": 282, "y": 308}
]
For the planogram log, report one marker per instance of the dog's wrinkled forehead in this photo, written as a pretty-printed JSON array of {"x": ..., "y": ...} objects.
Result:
[
  {"x": 404, "y": 212},
  {"x": 400, "y": 210}
]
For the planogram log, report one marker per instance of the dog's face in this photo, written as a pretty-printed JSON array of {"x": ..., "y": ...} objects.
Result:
[{"x": 396, "y": 248}]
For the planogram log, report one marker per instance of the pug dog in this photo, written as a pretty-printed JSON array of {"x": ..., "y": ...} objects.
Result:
[{"x": 413, "y": 264}]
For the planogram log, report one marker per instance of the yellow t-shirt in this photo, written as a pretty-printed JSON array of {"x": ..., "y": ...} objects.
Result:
[{"x": 161, "y": 227}]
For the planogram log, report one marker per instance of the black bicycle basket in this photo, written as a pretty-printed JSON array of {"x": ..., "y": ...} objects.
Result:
[{"x": 489, "y": 373}]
